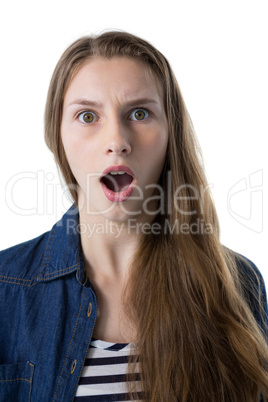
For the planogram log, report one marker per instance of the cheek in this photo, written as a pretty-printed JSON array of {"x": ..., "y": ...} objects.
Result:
[
  {"x": 80, "y": 153},
  {"x": 156, "y": 146},
  {"x": 156, "y": 137},
  {"x": 153, "y": 153}
]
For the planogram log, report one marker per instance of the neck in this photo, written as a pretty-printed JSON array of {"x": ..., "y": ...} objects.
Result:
[
  {"x": 108, "y": 246},
  {"x": 109, "y": 243}
]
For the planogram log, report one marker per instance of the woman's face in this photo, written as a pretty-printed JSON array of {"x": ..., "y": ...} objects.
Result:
[{"x": 114, "y": 132}]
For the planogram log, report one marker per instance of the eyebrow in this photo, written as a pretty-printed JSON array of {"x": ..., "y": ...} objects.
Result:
[{"x": 134, "y": 102}]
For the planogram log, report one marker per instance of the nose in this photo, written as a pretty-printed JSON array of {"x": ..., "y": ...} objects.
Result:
[{"x": 117, "y": 139}]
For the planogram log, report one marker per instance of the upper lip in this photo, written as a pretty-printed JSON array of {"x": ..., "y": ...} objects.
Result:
[{"x": 117, "y": 168}]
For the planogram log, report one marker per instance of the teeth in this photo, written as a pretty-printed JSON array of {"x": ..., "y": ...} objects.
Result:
[{"x": 115, "y": 173}]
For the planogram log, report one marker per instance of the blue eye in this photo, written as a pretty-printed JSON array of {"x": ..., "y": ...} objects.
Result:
[
  {"x": 87, "y": 117},
  {"x": 139, "y": 114}
]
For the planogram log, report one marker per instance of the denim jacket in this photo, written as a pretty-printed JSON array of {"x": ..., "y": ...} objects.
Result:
[{"x": 48, "y": 310}]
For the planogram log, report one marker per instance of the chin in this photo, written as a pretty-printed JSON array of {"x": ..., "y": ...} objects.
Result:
[{"x": 118, "y": 214}]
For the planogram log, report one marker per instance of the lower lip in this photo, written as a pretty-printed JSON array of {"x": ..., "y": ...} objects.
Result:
[{"x": 120, "y": 196}]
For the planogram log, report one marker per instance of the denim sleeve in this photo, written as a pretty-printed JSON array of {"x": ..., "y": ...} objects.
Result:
[
  {"x": 255, "y": 293},
  {"x": 254, "y": 290}
]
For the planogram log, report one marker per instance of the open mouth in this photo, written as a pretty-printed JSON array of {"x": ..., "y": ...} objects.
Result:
[{"x": 117, "y": 183}]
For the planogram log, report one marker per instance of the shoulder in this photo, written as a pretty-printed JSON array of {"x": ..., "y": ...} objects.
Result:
[
  {"x": 24, "y": 260},
  {"x": 250, "y": 276},
  {"x": 53, "y": 254},
  {"x": 253, "y": 288}
]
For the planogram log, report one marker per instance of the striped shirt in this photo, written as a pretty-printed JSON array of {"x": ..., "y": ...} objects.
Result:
[{"x": 104, "y": 375}]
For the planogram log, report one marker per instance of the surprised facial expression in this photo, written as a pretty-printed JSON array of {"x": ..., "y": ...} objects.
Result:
[{"x": 114, "y": 133}]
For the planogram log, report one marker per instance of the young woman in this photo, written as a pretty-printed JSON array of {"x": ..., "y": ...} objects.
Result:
[{"x": 131, "y": 295}]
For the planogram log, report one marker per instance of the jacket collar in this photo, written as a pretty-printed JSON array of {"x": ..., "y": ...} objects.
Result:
[{"x": 63, "y": 250}]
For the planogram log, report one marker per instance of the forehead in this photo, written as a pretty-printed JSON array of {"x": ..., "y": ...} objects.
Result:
[{"x": 124, "y": 77}]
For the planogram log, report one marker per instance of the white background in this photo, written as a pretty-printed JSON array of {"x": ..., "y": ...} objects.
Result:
[{"x": 218, "y": 50}]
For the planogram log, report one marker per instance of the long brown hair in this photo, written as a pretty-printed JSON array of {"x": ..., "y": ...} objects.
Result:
[{"x": 197, "y": 337}]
